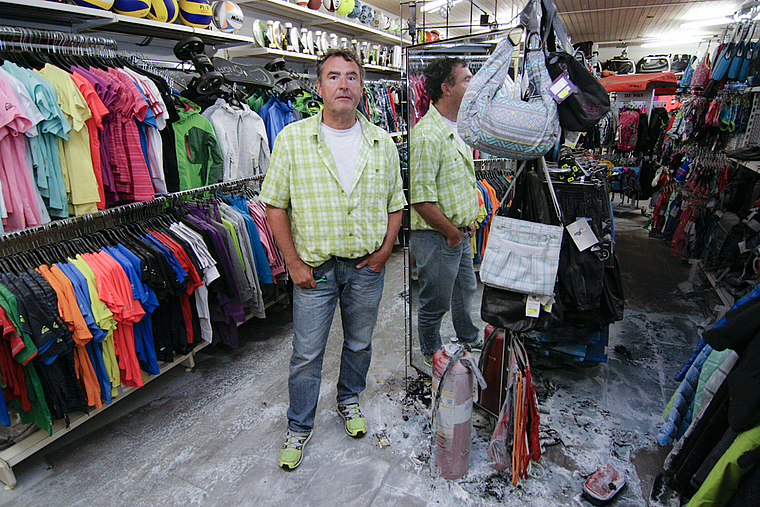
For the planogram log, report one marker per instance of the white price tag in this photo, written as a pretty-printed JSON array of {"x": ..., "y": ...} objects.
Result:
[
  {"x": 533, "y": 306},
  {"x": 582, "y": 235}
]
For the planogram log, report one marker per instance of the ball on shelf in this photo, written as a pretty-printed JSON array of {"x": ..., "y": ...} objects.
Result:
[
  {"x": 136, "y": 8},
  {"x": 345, "y": 7},
  {"x": 356, "y": 11},
  {"x": 164, "y": 10},
  {"x": 97, "y": 4},
  {"x": 228, "y": 17},
  {"x": 195, "y": 13},
  {"x": 314, "y": 4},
  {"x": 331, "y": 5}
]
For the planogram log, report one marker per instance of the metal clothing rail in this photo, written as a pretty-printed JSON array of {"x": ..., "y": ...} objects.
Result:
[
  {"x": 35, "y": 237},
  {"x": 31, "y": 39}
]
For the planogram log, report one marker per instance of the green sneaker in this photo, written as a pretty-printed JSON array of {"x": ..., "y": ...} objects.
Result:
[
  {"x": 356, "y": 424},
  {"x": 291, "y": 453}
]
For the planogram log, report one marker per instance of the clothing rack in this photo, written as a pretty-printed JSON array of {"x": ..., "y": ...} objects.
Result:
[
  {"x": 63, "y": 229},
  {"x": 28, "y": 39},
  {"x": 53, "y": 232},
  {"x": 495, "y": 164}
]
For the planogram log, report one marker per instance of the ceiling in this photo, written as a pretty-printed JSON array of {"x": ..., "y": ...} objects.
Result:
[{"x": 607, "y": 22}]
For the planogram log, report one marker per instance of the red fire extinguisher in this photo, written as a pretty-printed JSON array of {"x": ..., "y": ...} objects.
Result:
[{"x": 454, "y": 374}]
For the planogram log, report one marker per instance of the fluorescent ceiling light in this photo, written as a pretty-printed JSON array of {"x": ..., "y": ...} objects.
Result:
[
  {"x": 435, "y": 4},
  {"x": 708, "y": 22},
  {"x": 676, "y": 42}
]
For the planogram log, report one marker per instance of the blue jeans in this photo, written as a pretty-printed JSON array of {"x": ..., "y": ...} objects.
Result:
[
  {"x": 447, "y": 281},
  {"x": 359, "y": 292}
]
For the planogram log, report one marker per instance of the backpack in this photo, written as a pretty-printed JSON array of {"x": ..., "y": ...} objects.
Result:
[
  {"x": 628, "y": 130},
  {"x": 608, "y": 128},
  {"x": 658, "y": 122}
]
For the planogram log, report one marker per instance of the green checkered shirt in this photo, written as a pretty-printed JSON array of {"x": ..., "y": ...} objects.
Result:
[
  {"x": 440, "y": 172},
  {"x": 324, "y": 221}
]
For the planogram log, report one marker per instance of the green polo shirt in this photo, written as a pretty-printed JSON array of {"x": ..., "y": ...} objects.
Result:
[
  {"x": 441, "y": 171},
  {"x": 325, "y": 221}
]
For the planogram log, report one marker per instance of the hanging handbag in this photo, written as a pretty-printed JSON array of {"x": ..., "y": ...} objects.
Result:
[
  {"x": 688, "y": 72},
  {"x": 523, "y": 256},
  {"x": 506, "y": 309},
  {"x": 503, "y": 126},
  {"x": 702, "y": 71},
  {"x": 583, "y": 108}
]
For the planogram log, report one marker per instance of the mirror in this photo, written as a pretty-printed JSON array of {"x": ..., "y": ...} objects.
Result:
[{"x": 474, "y": 49}]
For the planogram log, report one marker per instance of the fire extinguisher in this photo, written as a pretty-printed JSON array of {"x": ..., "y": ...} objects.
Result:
[{"x": 454, "y": 374}]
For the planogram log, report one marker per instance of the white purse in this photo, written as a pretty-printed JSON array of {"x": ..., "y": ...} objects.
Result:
[{"x": 523, "y": 256}]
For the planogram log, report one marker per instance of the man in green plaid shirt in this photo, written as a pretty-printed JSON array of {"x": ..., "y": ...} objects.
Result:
[
  {"x": 445, "y": 206},
  {"x": 334, "y": 199}
]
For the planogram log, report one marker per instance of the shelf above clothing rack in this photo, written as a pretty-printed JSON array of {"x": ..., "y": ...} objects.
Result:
[
  {"x": 252, "y": 51},
  {"x": 42, "y": 14},
  {"x": 315, "y": 19}
]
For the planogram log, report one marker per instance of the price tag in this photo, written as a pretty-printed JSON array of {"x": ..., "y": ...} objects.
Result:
[
  {"x": 582, "y": 234},
  {"x": 562, "y": 88},
  {"x": 533, "y": 306},
  {"x": 546, "y": 303}
]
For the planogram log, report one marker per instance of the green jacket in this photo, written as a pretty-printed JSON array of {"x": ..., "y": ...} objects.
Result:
[{"x": 199, "y": 158}]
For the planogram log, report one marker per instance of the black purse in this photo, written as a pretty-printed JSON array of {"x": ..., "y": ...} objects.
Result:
[
  {"x": 582, "y": 109},
  {"x": 506, "y": 309}
]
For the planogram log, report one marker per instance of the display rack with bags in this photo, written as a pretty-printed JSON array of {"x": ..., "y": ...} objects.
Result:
[{"x": 588, "y": 294}]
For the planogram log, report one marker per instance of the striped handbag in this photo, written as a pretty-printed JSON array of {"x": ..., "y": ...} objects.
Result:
[
  {"x": 503, "y": 126},
  {"x": 523, "y": 256}
]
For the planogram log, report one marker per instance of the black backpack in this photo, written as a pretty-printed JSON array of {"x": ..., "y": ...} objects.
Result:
[{"x": 658, "y": 122}]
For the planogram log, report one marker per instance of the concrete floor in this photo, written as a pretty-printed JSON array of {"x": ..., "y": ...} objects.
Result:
[{"x": 211, "y": 436}]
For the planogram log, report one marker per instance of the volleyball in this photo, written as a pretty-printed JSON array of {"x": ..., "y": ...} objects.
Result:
[
  {"x": 195, "y": 13},
  {"x": 163, "y": 10},
  {"x": 136, "y": 8},
  {"x": 356, "y": 11},
  {"x": 228, "y": 17},
  {"x": 331, "y": 5},
  {"x": 97, "y": 4},
  {"x": 345, "y": 7}
]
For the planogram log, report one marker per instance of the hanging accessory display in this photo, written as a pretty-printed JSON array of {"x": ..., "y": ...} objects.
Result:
[
  {"x": 504, "y": 126},
  {"x": 589, "y": 101},
  {"x": 515, "y": 440},
  {"x": 523, "y": 256},
  {"x": 702, "y": 71}
]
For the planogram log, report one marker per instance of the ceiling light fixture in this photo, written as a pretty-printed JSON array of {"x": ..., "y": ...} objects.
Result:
[
  {"x": 431, "y": 6},
  {"x": 662, "y": 43},
  {"x": 708, "y": 22}
]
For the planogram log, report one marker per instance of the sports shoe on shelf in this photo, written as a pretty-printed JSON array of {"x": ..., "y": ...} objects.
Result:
[
  {"x": 291, "y": 453},
  {"x": 356, "y": 424}
]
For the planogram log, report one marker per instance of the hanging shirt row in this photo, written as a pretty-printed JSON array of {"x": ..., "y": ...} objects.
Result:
[
  {"x": 83, "y": 316},
  {"x": 96, "y": 136}
]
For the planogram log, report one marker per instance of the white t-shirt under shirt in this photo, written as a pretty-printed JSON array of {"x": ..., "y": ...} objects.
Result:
[
  {"x": 453, "y": 126},
  {"x": 345, "y": 143}
]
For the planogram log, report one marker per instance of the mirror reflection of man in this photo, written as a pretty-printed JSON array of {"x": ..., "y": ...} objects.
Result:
[{"x": 445, "y": 206}]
